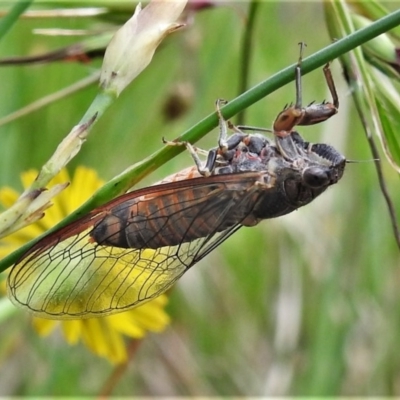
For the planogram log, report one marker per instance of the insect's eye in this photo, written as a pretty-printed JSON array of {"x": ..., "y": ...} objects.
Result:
[{"x": 316, "y": 177}]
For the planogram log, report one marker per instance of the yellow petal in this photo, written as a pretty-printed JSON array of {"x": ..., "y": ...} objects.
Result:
[
  {"x": 115, "y": 351},
  {"x": 93, "y": 336},
  {"x": 86, "y": 182},
  {"x": 44, "y": 326},
  {"x": 126, "y": 323},
  {"x": 72, "y": 330},
  {"x": 28, "y": 177},
  {"x": 152, "y": 316},
  {"x": 8, "y": 197}
]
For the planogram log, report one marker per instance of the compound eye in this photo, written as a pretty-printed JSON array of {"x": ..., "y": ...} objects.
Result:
[{"x": 315, "y": 177}]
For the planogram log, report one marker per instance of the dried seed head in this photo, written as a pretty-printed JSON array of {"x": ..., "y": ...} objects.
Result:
[{"x": 132, "y": 47}]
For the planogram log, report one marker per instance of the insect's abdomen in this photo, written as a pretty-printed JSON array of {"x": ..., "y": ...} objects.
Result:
[{"x": 167, "y": 220}]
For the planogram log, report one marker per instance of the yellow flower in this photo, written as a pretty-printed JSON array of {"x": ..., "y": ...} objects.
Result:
[{"x": 104, "y": 336}]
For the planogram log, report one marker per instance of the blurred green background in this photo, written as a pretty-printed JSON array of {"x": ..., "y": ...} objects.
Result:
[{"x": 307, "y": 304}]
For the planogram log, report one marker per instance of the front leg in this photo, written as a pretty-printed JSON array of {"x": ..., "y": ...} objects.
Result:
[
  {"x": 213, "y": 156},
  {"x": 313, "y": 113}
]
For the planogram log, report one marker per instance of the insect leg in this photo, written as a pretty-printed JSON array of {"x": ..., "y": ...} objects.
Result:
[
  {"x": 225, "y": 145},
  {"x": 311, "y": 114},
  {"x": 297, "y": 74},
  {"x": 331, "y": 86},
  {"x": 241, "y": 128},
  {"x": 204, "y": 169},
  {"x": 223, "y": 129},
  {"x": 196, "y": 149},
  {"x": 315, "y": 113}
]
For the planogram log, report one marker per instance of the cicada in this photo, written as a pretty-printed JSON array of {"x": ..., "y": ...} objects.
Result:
[{"x": 137, "y": 246}]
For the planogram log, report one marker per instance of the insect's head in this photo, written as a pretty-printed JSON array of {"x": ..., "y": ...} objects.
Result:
[{"x": 320, "y": 165}]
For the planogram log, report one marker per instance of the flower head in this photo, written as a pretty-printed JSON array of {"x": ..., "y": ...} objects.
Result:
[{"x": 104, "y": 336}]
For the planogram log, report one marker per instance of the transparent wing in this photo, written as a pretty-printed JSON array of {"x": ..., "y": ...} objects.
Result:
[{"x": 168, "y": 228}]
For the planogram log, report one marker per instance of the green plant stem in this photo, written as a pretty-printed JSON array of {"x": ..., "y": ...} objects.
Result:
[
  {"x": 51, "y": 98},
  {"x": 364, "y": 97},
  {"x": 381, "y": 179},
  {"x": 138, "y": 171},
  {"x": 245, "y": 58},
  {"x": 98, "y": 107},
  {"x": 9, "y": 20}
]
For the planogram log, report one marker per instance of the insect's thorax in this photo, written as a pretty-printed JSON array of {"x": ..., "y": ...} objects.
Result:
[{"x": 300, "y": 171}]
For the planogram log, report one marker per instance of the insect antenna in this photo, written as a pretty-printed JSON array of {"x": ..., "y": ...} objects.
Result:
[
  {"x": 362, "y": 161},
  {"x": 253, "y": 128}
]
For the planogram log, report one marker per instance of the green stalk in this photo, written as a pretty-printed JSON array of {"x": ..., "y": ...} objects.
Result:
[
  {"x": 7, "y": 22},
  {"x": 247, "y": 49}
]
